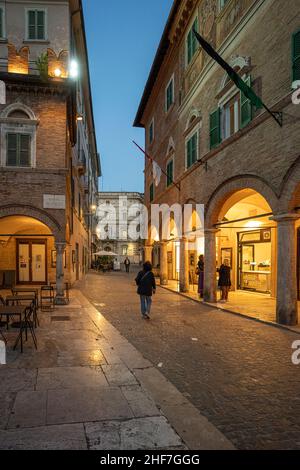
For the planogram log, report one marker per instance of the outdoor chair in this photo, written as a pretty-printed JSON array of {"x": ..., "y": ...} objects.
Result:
[
  {"x": 27, "y": 324},
  {"x": 2, "y": 302}
]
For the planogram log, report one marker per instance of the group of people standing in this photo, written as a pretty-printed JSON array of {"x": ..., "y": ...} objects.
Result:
[{"x": 224, "y": 278}]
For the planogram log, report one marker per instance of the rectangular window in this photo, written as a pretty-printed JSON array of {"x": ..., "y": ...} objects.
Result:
[
  {"x": 215, "y": 128},
  {"x": 151, "y": 191},
  {"x": 36, "y": 25},
  {"x": 170, "y": 173},
  {"x": 223, "y": 3},
  {"x": 192, "y": 43},
  {"x": 231, "y": 117},
  {"x": 151, "y": 132},
  {"x": 192, "y": 150},
  {"x": 170, "y": 94},
  {"x": 1, "y": 23},
  {"x": 18, "y": 150}
]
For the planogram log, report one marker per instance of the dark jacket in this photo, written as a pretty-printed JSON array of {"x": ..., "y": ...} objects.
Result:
[
  {"x": 146, "y": 283},
  {"x": 224, "y": 276}
]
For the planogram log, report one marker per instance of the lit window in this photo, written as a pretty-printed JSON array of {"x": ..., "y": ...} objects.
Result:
[
  {"x": 124, "y": 250},
  {"x": 231, "y": 116}
]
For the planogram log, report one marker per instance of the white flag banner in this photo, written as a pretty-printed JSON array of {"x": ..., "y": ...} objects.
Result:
[{"x": 156, "y": 173}]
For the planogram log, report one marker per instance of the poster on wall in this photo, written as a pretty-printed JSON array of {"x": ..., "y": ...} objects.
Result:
[{"x": 53, "y": 259}]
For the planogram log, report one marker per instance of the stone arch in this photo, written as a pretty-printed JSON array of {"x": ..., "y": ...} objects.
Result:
[
  {"x": 233, "y": 185},
  {"x": 290, "y": 190},
  {"x": 193, "y": 115},
  {"x": 18, "y": 107},
  {"x": 38, "y": 214}
]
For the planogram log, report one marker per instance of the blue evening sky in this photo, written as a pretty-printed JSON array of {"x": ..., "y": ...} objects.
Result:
[{"x": 122, "y": 37}]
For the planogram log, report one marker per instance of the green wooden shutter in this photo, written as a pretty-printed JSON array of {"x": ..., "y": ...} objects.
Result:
[
  {"x": 246, "y": 106},
  {"x": 194, "y": 143},
  {"x": 194, "y": 39},
  {"x": 215, "y": 128},
  {"x": 170, "y": 173},
  {"x": 31, "y": 24},
  {"x": 1, "y": 23},
  {"x": 24, "y": 149},
  {"x": 11, "y": 149},
  {"x": 41, "y": 25},
  {"x": 296, "y": 56}
]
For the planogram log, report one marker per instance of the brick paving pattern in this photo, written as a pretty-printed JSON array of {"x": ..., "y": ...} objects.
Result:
[{"x": 237, "y": 372}]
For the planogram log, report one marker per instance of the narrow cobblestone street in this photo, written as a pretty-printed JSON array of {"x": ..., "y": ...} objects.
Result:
[{"x": 237, "y": 372}]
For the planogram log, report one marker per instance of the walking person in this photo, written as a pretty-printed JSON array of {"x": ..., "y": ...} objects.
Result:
[
  {"x": 127, "y": 264},
  {"x": 225, "y": 280},
  {"x": 146, "y": 288},
  {"x": 200, "y": 273}
]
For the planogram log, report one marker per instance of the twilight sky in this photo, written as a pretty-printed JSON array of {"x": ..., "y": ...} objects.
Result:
[{"x": 122, "y": 37}]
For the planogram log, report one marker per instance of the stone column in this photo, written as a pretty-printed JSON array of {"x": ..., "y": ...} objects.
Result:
[
  {"x": 184, "y": 282},
  {"x": 286, "y": 310},
  {"x": 60, "y": 285},
  {"x": 148, "y": 253},
  {"x": 163, "y": 264},
  {"x": 210, "y": 287}
]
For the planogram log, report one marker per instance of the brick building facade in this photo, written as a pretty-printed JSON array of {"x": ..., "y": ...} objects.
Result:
[
  {"x": 49, "y": 165},
  {"x": 234, "y": 159}
]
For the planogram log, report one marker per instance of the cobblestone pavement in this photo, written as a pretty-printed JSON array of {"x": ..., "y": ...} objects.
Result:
[{"x": 237, "y": 372}]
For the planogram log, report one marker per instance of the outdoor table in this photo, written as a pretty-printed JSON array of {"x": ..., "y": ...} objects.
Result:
[
  {"x": 27, "y": 290},
  {"x": 15, "y": 299},
  {"x": 17, "y": 310}
]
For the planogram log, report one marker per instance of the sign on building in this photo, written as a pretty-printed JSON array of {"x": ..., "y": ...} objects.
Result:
[{"x": 54, "y": 201}]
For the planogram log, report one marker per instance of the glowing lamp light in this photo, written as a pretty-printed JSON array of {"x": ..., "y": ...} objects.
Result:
[
  {"x": 254, "y": 224},
  {"x": 79, "y": 117},
  {"x": 57, "y": 73},
  {"x": 74, "y": 70}
]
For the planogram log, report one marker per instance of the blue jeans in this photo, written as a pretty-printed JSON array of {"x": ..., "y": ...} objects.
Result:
[{"x": 146, "y": 302}]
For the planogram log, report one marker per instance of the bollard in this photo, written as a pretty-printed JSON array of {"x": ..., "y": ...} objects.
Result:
[{"x": 2, "y": 353}]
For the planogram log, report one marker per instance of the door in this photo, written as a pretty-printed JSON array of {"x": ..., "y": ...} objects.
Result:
[
  {"x": 298, "y": 262},
  {"x": 246, "y": 264},
  {"x": 77, "y": 262},
  {"x": 32, "y": 261}
]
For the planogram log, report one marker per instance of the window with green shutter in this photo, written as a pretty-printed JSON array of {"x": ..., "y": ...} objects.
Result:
[
  {"x": 192, "y": 150},
  {"x": 170, "y": 173},
  {"x": 36, "y": 25},
  {"x": 151, "y": 132},
  {"x": 215, "y": 128},
  {"x": 246, "y": 107},
  {"x": 18, "y": 150},
  {"x": 1, "y": 23},
  {"x": 170, "y": 94},
  {"x": 192, "y": 43},
  {"x": 296, "y": 56},
  {"x": 151, "y": 191}
]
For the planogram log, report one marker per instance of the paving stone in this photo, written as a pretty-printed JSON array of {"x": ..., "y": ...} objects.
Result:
[
  {"x": 6, "y": 405},
  {"x": 81, "y": 358},
  {"x": 140, "y": 403},
  {"x": 15, "y": 380},
  {"x": 86, "y": 404},
  {"x": 136, "y": 434},
  {"x": 66, "y": 437},
  {"x": 232, "y": 374},
  {"x": 29, "y": 410},
  {"x": 118, "y": 374},
  {"x": 70, "y": 377}
]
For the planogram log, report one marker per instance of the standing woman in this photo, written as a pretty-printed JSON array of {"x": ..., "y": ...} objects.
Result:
[
  {"x": 225, "y": 280},
  {"x": 200, "y": 272},
  {"x": 146, "y": 288}
]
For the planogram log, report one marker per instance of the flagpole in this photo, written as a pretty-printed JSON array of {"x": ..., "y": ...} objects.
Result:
[{"x": 152, "y": 160}]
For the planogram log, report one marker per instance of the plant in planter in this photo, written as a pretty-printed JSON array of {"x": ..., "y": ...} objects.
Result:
[{"x": 42, "y": 65}]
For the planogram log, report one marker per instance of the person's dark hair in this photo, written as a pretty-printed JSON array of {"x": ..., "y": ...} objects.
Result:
[{"x": 147, "y": 266}]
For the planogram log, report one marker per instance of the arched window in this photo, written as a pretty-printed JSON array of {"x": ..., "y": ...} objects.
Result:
[{"x": 18, "y": 136}]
